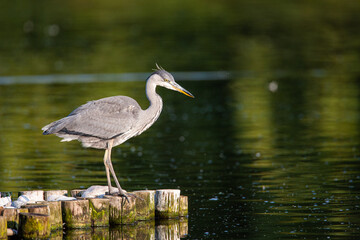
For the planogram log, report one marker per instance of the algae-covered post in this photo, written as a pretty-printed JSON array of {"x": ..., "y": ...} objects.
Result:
[
  {"x": 76, "y": 213},
  {"x": 145, "y": 204},
  {"x": 51, "y": 208},
  {"x": 99, "y": 211},
  {"x": 37, "y": 208},
  {"x": 55, "y": 215},
  {"x": 183, "y": 212},
  {"x": 121, "y": 211},
  {"x": 34, "y": 225},
  {"x": 3, "y": 227},
  {"x": 167, "y": 203}
]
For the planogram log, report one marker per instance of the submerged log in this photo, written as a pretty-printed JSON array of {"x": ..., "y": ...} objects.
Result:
[
  {"x": 183, "y": 211},
  {"x": 121, "y": 211},
  {"x": 167, "y": 203},
  {"x": 145, "y": 204},
  {"x": 34, "y": 225},
  {"x": 99, "y": 211},
  {"x": 76, "y": 214},
  {"x": 3, "y": 227}
]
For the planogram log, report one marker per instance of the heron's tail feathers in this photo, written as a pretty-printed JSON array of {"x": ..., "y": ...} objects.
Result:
[{"x": 54, "y": 127}]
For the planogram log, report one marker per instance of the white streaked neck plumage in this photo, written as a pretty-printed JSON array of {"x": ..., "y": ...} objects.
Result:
[
  {"x": 152, "y": 113},
  {"x": 155, "y": 100}
]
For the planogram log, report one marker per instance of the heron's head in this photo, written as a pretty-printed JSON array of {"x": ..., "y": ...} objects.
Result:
[{"x": 165, "y": 79}]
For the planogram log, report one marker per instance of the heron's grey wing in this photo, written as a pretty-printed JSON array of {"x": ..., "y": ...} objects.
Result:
[{"x": 104, "y": 118}]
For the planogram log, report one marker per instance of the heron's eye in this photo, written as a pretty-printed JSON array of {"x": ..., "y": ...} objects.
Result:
[{"x": 166, "y": 80}]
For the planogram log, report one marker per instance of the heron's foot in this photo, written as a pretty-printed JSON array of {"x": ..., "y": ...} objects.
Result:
[{"x": 124, "y": 194}]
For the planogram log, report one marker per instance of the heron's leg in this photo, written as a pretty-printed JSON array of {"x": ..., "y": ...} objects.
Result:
[
  {"x": 107, "y": 170},
  {"x": 108, "y": 161}
]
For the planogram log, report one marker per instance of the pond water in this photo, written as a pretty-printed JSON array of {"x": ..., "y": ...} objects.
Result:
[
  {"x": 258, "y": 158},
  {"x": 271, "y": 151}
]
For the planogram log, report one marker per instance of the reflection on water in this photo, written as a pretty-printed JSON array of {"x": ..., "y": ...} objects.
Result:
[
  {"x": 164, "y": 230},
  {"x": 256, "y": 161}
]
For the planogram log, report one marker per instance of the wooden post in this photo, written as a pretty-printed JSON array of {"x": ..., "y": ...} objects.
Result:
[
  {"x": 12, "y": 216},
  {"x": 54, "y": 212},
  {"x": 184, "y": 208},
  {"x": 167, "y": 203},
  {"x": 3, "y": 227},
  {"x": 145, "y": 204},
  {"x": 99, "y": 211},
  {"x": 34, "y": 225},
  {"x": 49, "y": 193},
  {"x": 76, "y": 214},
  {"x": 55, "y": 215},
  {"x": 121, "y": 211},
  {"x": 37, "y": 208},
  {"x": 34, "y": 196}
]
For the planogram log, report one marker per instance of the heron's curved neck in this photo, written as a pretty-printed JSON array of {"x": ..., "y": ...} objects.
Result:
[{"x": 154, "y": 99}]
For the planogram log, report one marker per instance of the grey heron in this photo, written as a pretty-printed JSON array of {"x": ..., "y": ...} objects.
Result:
[{"x": 108, "y": 122}]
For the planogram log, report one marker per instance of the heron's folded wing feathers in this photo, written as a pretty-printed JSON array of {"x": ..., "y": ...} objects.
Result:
[{"x": 105, "y": 118}]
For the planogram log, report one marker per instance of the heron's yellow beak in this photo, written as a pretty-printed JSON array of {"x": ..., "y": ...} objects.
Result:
[
  {"x": 178, "y": 88},
  {"x": 183, "y": 91}
]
